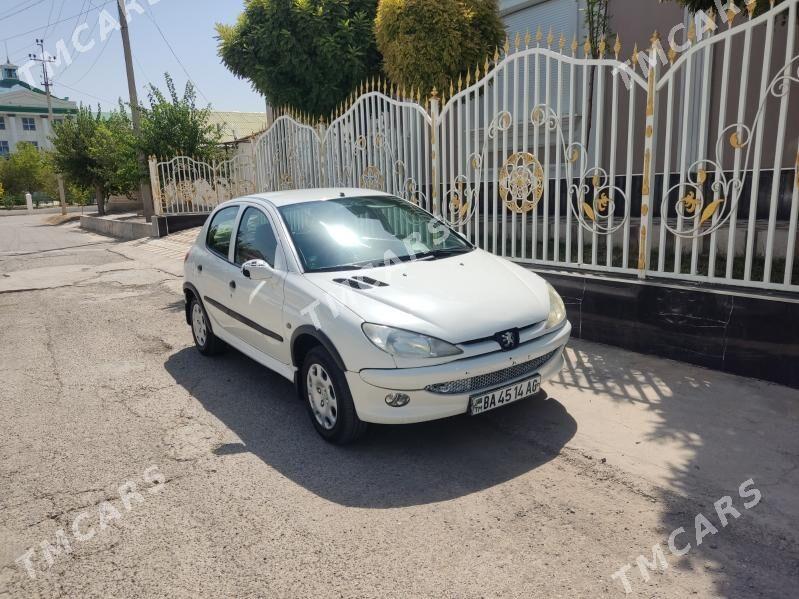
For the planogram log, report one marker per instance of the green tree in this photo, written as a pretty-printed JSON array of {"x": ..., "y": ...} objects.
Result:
[
  {"x": 25, "y": 170},
  {"x": 173, "y": 125},
  {"x": 308, "y": 54},
  {"x": 428, "y": 44},
  {"x": 98, "y": 153},
  {"x": 597, "y": 24},
  {"x": 115, "y": 154},
  {"x": 77, "y": 194}
]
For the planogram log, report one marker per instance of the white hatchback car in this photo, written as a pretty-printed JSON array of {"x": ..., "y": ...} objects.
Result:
[{"x": 377, "y": 310}]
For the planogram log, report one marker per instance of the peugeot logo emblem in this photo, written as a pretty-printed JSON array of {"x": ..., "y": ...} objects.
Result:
[{"x": 508, "y": 340}]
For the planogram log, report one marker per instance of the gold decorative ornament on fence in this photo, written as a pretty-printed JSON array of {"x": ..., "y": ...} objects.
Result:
[
  {"x": 372, "y": 178},
  {"x": 521, "y": 182}
]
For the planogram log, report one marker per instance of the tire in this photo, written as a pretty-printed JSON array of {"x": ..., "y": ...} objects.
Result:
[
  {"x": 206, "y": 342},
  {"x": 324, "y": 389}
]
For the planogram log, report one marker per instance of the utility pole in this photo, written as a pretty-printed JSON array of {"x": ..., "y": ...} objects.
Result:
[
  {"x": 45, "y": 60},
  {"x": 144, "y": 188}
]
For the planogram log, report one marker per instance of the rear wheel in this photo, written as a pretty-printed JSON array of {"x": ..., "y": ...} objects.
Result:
[
  {"x": 207, "y": 343},
  {"x": 328, "y": 398}
]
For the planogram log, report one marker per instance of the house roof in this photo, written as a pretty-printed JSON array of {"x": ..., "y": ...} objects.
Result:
[
  {"x": 18, "y": 96},
  {"x": 7, "y": 85},
  {"x": 238, "y": 125}
]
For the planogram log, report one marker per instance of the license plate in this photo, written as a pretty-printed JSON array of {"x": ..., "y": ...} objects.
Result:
[{"x": 504, "y": 396}]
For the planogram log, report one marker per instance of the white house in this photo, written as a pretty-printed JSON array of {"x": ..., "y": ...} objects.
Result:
[
  {"x": 521, "y": 16},
  {"x": 23, "y": 112}
]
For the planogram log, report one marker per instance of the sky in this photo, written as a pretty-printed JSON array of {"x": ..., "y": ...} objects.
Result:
[{"x": 87, "y": 31}]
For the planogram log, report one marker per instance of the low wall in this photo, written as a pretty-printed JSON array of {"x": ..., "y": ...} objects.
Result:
[
  {"x": 744, "y": 333},
  {"x": 119, "y": 228},
  {"x": 166, "y": 224}
]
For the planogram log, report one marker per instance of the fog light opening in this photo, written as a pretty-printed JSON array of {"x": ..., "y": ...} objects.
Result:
[{"x": 397, "y": 400}]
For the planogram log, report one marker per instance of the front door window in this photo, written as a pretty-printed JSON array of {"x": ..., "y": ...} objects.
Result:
[{"x": 256, "y": 239}]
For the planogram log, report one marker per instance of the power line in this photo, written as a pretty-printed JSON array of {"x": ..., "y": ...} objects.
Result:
[
  {"x": 69, "y": 18},
  {"x": 49, "y": 17},
  {"x": 60, "y": 12},
  {"x": 94, "y": 64},
  {"x": 80, "y": 91},
  {"x": 11, "y": 14},
  {"x": 141, "y": 68},
  {"x": 18, "y": 53},
  {"x": 82, "y": 8},
  {"x": 172, "y": 50},
  {"x": 17, "y": 5},
  {"x": 91, "y": 33}
]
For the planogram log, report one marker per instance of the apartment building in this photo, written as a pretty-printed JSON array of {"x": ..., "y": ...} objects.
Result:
[{"x": 23, "y": 112}]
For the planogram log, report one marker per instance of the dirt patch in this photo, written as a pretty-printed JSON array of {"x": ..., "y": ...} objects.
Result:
[{"x": 61, "y": 219}]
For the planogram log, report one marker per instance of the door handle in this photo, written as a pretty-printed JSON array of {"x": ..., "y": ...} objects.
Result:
[
  {"x": 232, "y": 284},
  {"x": 199, "y": 268}
]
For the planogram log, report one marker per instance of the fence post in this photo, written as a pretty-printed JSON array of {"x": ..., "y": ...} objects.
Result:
[
  {"x": 650, "y": 160},
  {"x": 215, "y": 182},
  {"x": 434, "y": 110},
  {"x": 155, "y": 186},
  {"x": 321, "y": 129}
]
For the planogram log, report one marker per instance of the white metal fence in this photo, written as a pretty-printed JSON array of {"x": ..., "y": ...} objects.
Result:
[
  {"x": 184, "y": 185},
  {"x": 680, "y": 163}
]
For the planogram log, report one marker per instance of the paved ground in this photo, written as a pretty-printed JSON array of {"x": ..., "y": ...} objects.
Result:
[
  {"x": 50, "y": 210},
  {"x": 236, "y": 495}
]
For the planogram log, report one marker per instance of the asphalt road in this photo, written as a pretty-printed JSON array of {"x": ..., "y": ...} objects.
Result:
[{"x": 175, "y": 475}]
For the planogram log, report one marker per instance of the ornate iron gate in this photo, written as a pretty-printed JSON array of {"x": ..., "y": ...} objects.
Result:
[
  {"x": 184, "y": 185},
  {"x": 681, "y": 164}
]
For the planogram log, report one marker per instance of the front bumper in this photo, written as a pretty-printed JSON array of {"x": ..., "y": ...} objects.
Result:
[{"x": 370, "y": 387}]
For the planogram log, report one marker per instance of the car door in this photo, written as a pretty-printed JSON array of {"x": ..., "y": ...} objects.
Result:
[
  {"x": 259, "y": 304},
  {"x": 215, "y": 271}
]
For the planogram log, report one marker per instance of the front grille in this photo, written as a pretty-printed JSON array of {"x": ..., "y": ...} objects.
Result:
[{"x": 492, "y": 379}]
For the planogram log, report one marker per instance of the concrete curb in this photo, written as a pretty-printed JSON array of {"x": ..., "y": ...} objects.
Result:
[{"x": 120, "y": 229}]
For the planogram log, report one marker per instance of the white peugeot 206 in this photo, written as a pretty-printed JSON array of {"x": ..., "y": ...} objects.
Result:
[{"x": 376, "y": 309}]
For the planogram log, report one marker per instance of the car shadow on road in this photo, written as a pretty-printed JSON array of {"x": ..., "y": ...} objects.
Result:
[
  {"x": 393, "y": 466},
  {"x": 727, "y": 429}
]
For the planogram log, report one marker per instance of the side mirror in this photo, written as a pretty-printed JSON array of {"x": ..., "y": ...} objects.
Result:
[{"x": 257, "y": 270}]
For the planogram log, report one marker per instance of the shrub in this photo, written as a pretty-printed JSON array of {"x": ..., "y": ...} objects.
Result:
[
  {"x": 187, "y": 126},
  {"x": 428, "y": 44},
  {"x": 308, "y": 54}
]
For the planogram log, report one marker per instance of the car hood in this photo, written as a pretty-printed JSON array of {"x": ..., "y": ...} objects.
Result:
[{"x": 457, "y": 299}]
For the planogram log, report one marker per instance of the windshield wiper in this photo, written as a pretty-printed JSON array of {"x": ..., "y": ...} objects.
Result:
[
  {"x": 432, "y": 254},
  {"x": 443, "y": 253},
  {"x": 351, "y": 266},
  {"x": 337, "y": 268}
]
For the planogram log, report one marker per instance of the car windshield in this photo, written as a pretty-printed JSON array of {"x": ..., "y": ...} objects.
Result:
[{"x": 358, "y": 232}]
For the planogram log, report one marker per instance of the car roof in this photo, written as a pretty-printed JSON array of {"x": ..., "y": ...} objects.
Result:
[{"x": 299, "y": 196}]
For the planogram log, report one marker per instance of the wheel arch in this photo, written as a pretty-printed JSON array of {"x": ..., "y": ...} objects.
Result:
[
  {"x": 190, "y": 292},
  {"x": 305, "y": 338}
]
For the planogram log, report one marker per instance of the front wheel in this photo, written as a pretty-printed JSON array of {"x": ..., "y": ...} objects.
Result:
[{"x": 328, "y": 398}]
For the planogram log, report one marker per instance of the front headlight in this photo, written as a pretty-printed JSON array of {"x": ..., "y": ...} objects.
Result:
[
  {"x": 406, "y": 344},
  {"x": 557, "y": 310}
]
